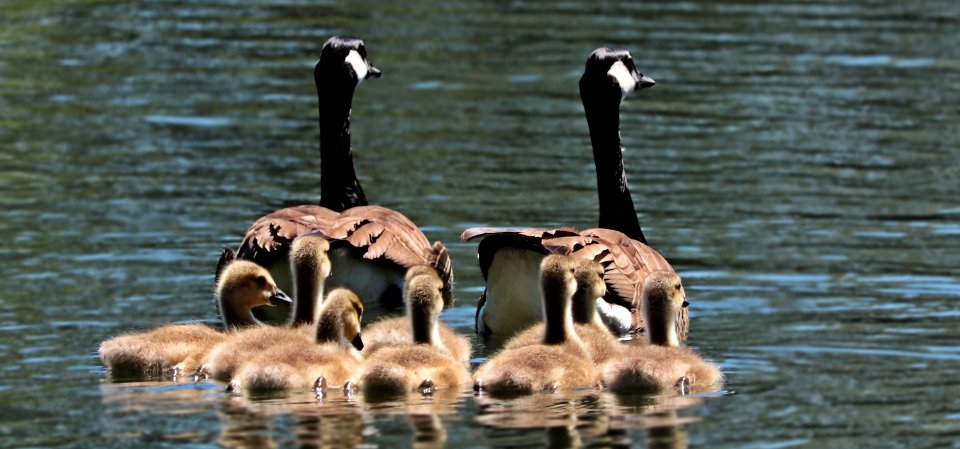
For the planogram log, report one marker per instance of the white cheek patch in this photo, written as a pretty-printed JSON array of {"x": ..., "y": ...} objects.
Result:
[
  {"x": 619, "y": 72},
  {"x": 359, "y": 66}
]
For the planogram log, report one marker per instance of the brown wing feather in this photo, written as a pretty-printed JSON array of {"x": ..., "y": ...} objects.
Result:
[
  {"x": 626, "y": 261},
  {"x": 381, "y": 232},
  {"x": 384, "y": 233},
  {"x": 276, "y": 230}
]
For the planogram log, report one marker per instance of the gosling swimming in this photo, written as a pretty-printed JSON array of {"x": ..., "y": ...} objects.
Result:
[
  {"x": 663, "y": 365},
  {"x": 424, "y": 364},
  {"x": 329, "y": 361},
  {"x": 561, "y": 360},
  {"x": 177, "y": 348},
  {"x": 308, "y": 259},
  {"x": 598, "y": 339},
  {"x": 397, "y": 331}
]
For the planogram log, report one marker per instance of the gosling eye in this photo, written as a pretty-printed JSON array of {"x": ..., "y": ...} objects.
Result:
[{"x": 261, "y": 281}]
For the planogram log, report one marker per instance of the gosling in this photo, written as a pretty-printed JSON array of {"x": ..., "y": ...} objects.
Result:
[
  {"x": 397, "y": 331},
  {"x": 561, "y": 360},
  {"x": 177, "y": 348},
  {"x": 331, "y": 361},
  {"x": 663, "y": 365},
  {"x": 310, "y": 266},
  {"x": 597, "y": 337},
  {"x": 424, "y": 364}
]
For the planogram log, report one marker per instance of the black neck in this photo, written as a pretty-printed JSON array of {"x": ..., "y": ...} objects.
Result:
[
  {"x": 339, "y": 187},
  {"x": 602, "y": 108}
]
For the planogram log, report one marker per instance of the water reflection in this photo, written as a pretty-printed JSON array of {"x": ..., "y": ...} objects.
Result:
[
  {"x": 304, "y": 419},
  {"x": 587, "y": 418},
  {"x": 332, "y": 422}
]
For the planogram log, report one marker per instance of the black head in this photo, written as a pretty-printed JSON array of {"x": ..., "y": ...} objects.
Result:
[
  {"x": 345, "y": 57},
  {"x": 613, "y": 69}
]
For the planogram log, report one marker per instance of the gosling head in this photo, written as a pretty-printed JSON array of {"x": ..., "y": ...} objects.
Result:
[
  {"x": 558, "y": 282},
  {"x": 612, "y": 71},
  {"x": 340, "y": 318},
  {"x": 308, "y": 254},
  {"x": 423, "y": 289},
  {"x": 243, "y": 285},
  {"x": 590, "y": 288},
  {"x": 663, "y": 298},
  {"x": 344, "y": 57},
  {"x": 423, "y": 298}
]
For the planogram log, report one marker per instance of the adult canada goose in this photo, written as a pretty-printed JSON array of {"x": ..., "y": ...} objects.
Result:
[
  {"x": 598, "y": 339},
  {"x": 509, "y": 257},
  {"x": 561, "y": 360},
  {"x": 398, "y": 330},
  {"x": 177, "y": 348},
  {"x": 663, "y": 364},
  {"x": 296, "y": 363},
  {"x": 424, "y": 364},
  {"x": 370, "y": 246},
  {"x": 308, "y": 260}
]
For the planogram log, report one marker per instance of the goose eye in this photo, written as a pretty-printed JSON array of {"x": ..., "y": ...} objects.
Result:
[{"x": 261, "y": 281}]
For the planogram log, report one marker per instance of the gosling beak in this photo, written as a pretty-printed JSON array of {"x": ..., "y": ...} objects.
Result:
[
  {"x": 645, "y": 82},
  {"x": 685, "y": 303},
  {"x": 373, "y": 72},
  {"x": 280, "y": 298},
  {"x": 357, "y": 342}
]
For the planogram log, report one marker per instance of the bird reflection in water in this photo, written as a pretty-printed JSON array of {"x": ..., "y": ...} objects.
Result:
[
  {"x": 252, "y": 422},
  {"x": 586, "y": 418}
]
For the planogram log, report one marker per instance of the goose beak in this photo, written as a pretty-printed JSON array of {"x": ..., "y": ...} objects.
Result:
[
  {"x": 357, "y": 342},
  {"x": 645, "y": 82},
  {"x": 280, "y": 298},
  {"x": 373, "y": 72}
]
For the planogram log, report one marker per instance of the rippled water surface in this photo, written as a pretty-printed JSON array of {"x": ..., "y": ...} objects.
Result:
[{"x": 797, "y": 162}]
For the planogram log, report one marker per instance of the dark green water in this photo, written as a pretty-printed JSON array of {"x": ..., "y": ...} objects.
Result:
[{"x": 799, "y": 164}]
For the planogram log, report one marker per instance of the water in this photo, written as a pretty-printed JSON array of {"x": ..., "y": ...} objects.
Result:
[{"x": 797, "y": 162}]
